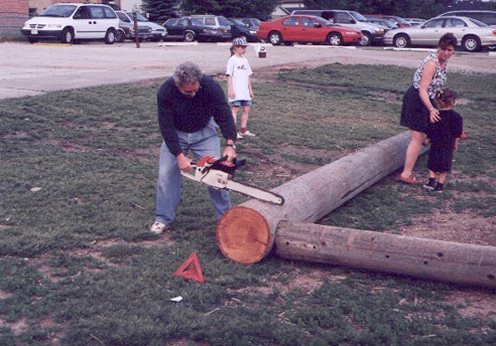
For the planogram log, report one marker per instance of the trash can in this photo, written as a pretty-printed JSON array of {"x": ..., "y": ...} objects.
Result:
[{"x": 262, "y": 53}]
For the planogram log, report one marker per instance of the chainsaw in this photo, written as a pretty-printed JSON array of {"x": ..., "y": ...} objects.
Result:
[{"x": 218, "y": 173}]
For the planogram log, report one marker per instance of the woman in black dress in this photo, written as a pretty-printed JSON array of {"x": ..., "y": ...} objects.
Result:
[{"x": 418, "y": 109}]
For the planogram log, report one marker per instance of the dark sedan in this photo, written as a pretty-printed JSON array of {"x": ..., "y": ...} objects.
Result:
[
  {"x": 190, "y": 29},
  {"x": 238, "y": 29}
]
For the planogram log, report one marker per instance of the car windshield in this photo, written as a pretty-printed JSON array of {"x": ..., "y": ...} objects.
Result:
[
  {"x": 256, "y": 21},
  {"x": 477, "y": 22},
  {"x": 59, "y": 11},
  {"x": 358, "y": 16},
  {"x": 139, "y": 17},
  {"x": 324, "y": 21},
  {"x": 123, "y": 17},
  {"x": 224, "y": 21},
  {"x": 400, "y": 20},
  {"x": 237, "y": 22},
  {"x": 389, "y": 23}
]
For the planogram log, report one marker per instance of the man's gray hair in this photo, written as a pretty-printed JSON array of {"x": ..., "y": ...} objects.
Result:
[{"x": 187, "y": 73}]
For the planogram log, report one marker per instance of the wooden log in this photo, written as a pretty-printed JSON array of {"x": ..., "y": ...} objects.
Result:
[
  {"x": 246, "y": 233},
  {"x": 417, "y": 257}
]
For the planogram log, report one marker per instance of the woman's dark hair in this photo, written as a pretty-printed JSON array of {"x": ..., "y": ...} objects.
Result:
[
  {"x": 445, "y": 98},
  {"x": 446, "y": 40}
]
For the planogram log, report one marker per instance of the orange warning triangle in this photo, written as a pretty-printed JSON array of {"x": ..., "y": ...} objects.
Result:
[{"x": 194, "y": 271}]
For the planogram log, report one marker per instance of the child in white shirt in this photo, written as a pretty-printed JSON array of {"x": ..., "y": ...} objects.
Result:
[{"x": 239, "y": 85}]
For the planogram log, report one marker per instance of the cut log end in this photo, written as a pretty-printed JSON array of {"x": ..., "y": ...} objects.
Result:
[{"x": 243, "y": 235}]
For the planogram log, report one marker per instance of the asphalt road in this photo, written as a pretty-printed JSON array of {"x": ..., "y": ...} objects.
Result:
[{"x": 33, "y": 69}]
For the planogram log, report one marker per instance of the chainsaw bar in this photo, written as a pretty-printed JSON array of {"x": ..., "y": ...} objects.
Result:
[
  {"x": 255, "y": 192},
  {"x": 218, "y": 174}
]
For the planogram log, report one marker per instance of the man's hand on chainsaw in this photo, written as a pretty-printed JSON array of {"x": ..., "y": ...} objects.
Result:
[
  {"x": 184, "y": 163},
  {"x": 230, "y": 152}
]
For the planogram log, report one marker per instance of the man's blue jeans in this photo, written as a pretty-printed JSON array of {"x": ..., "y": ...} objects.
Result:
[{"x": 202, "y": 143}]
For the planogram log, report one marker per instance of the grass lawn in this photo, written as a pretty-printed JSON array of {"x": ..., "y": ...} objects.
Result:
[{"x": 77, "y": 191}]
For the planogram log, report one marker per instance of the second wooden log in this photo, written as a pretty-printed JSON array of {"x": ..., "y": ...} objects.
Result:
[{"x": 416, "y": 257}]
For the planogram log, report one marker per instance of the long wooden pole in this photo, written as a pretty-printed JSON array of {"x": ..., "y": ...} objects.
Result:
[
  {"x": 417, "y": 257},
  {"x": 246, "y": 232}
]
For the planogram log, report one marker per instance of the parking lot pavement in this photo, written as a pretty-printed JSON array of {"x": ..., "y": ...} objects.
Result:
[{"x": 32, "y": 69}]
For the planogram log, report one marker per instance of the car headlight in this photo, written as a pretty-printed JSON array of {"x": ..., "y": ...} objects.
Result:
[{"x": 253, "y": 32}]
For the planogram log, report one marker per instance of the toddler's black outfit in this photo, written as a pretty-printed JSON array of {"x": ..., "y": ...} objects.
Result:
[{"x": 443, "y": 135}]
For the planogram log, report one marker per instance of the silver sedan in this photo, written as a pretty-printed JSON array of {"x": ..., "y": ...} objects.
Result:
[{"x": 470, "y": 33}]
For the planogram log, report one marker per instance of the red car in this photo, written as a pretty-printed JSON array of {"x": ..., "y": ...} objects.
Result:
[{"x": 303, "y": 28}]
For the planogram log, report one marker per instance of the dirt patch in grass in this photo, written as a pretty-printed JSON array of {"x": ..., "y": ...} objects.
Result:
[
  {"x": 68, "y": 146},
  {"x": 15, "y": 135},
  {"x": 461, "y": 228},
  {"x": 4, "y": 294},
  {"x": 18, "y": 327},
  {"x": 4, "y": 227},
  {"x": 474, "y": 304},
  {"x": 94, "y": 251}
]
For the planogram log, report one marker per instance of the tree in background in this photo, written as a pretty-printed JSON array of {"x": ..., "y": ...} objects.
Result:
[
  {"x": 161, "y": 10},
  {"x": 402, "y": 8},
  {"x": 231, "y": 8}
]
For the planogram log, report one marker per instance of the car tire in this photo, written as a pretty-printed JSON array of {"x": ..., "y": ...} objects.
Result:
[
  {"x": 110, "y": 37},
  {"x": 334, "y": 39},
  {"x": 401, "y": 41},
  {"x": 366, "y": 39},
  {"x": 275, "y": 38},
  {"x": 471, "y": 43},
  {"x": 119, "y": 36},
  {"x": 189, "y": 36},
  {"x": 67, "y": 36}
]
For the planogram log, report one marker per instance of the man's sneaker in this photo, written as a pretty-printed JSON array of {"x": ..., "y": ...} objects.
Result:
[
  {"x": 430, "y": 184},
  {"x": 239, "y": 136},
  {"x": 248, "y": 133},
  {"x": 439, "y": 188},
  {"x": 159, "y": 228}
]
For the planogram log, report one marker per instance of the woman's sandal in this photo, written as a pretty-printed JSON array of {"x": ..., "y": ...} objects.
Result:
[{"x": 411, "y": 180}]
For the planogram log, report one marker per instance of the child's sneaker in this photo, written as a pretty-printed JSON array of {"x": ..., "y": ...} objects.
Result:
[
  {"x": 239, "y": 136},
  {"x": 430, "y": 184},
  {"x": 248, "y": 133},
  {"x": 439, "y": 188}
]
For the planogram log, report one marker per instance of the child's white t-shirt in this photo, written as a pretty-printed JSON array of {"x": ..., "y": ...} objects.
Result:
[{"x": 239, "y": 69}]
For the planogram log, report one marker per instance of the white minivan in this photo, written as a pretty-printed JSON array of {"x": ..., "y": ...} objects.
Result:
[{"x": 73, "y": 21}]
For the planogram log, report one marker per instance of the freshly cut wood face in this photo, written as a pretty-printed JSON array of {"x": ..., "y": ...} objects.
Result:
[{"x": 243, "y": 235}]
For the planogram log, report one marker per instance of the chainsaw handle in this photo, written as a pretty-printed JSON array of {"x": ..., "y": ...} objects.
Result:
[{"x": 223, "y": 158}]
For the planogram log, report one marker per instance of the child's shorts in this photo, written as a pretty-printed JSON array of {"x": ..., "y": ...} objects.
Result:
[{"x": 240, "y": 103}]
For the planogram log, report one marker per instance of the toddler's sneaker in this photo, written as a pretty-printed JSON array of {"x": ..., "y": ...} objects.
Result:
[
  {"x": 439, "y": 188},
  {"x": 239, "y": 136},
  {"x": 159, "y": 228},
  {"x": 430, "y": 184},
  {"x": 248, "y": 133}
]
